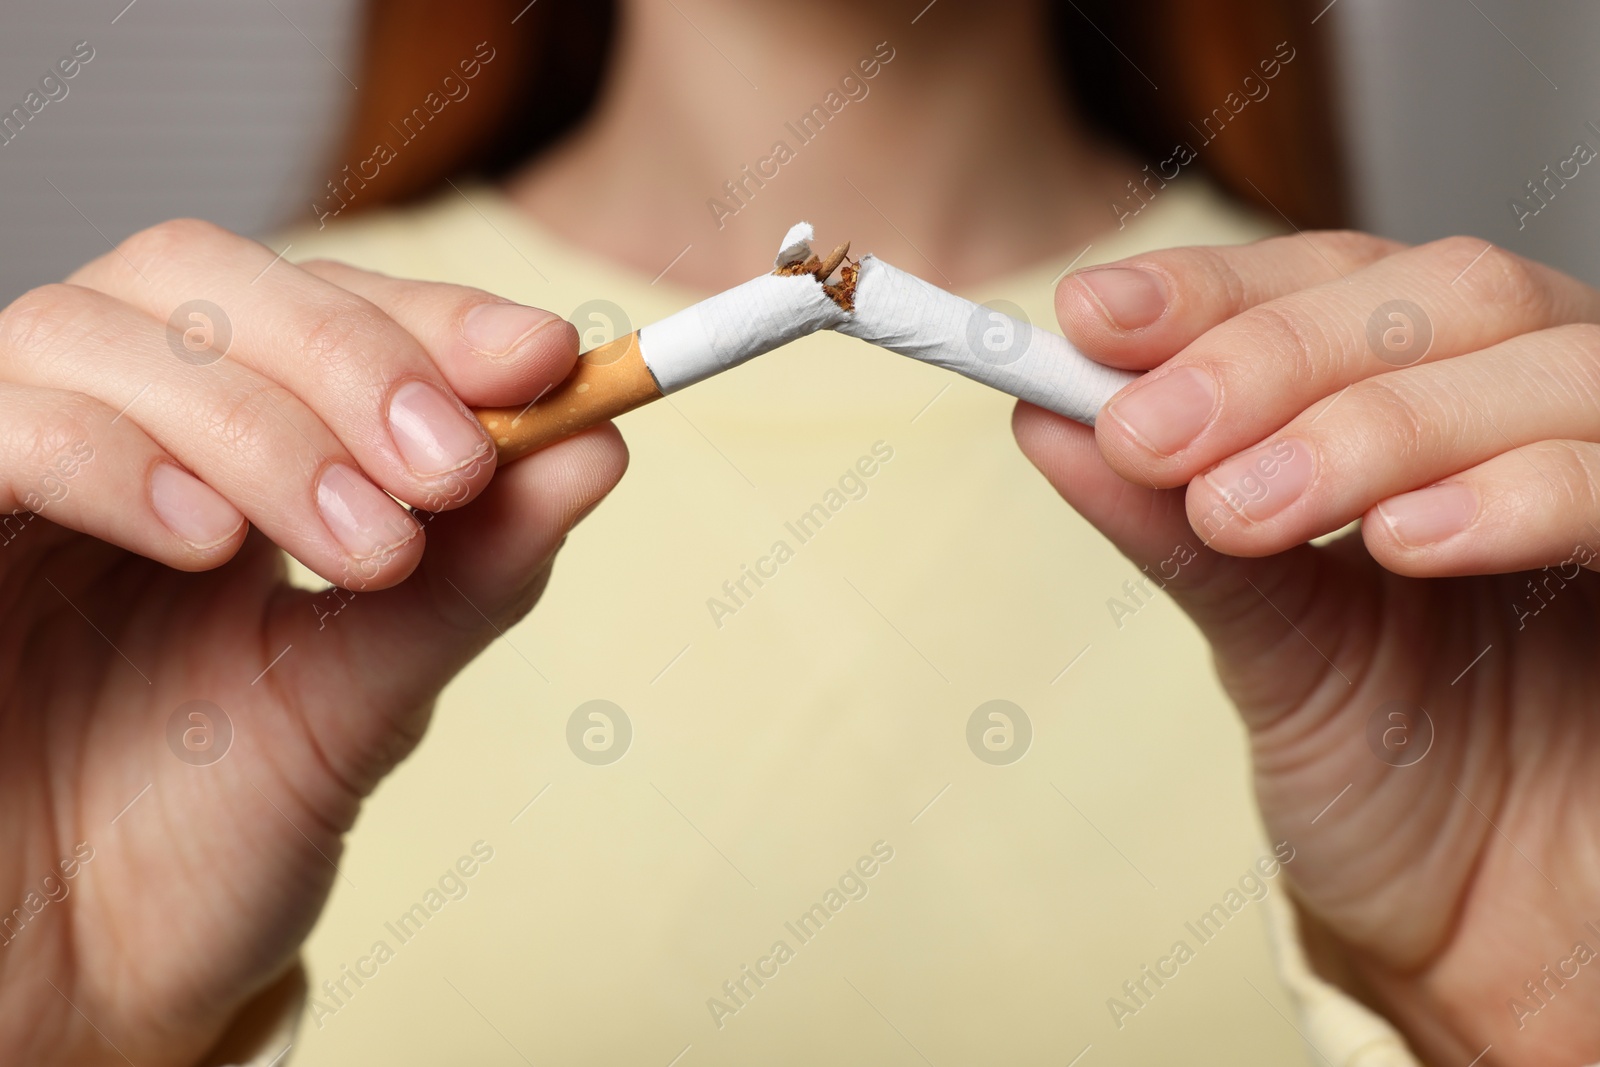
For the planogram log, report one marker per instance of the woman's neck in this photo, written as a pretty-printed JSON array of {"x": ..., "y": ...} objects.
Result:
[{"x": 723, "y": 122}]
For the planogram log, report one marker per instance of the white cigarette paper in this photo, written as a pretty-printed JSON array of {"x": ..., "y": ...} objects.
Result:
[
  {"x": 905, "y": 314},
  {"x": 734, "y": 326},
  {"x": 892, "y": 309}
]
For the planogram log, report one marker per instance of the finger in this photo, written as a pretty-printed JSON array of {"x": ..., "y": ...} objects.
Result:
[
  {"x": 256, "y": 444},
  {"x": 365, "y": 377},
  {"x": 1406, "y": 429},
  {"x": 492, "y": 352},
  {"x": 484, "y": 569},
  {"x": 1535, "y": 507},
  {"x": 1138, "y": 312},
  {"x": 1239, "y": 604},
  {"x": 72, "y": 460},
  {"x": 1251, "y": 375}
]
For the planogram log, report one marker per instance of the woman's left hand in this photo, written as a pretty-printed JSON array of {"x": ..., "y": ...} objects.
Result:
[{"x": 1421, "y": 709}]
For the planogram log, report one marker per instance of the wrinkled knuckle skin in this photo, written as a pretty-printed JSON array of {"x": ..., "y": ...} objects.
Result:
[
  {"x": 151, "y": 249},
  {"x": 1190, "y": 270},
  {"x": 1407, "y": 420},
  {"x": 1219, "y": 271},
  {"x": 42, "y": 451},
  {"x": 1348, "y": 250},
  {"x": 33, "y": 322},
  {"x": 1352, "y": 248},
  {"x": 323, "y": 265},
  {"x": 1290, "y": 336},
  {"x": 253, "y": 425},
  {"x": 1458, "y": 250},
  {"x": 1495, "y": 277},
  {"x": 343, "y": 342},
  {"x": 344, "y": 274},
  {"x": 1578, "y": 469}
]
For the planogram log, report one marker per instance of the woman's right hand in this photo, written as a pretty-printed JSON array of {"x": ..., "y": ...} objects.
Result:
[{"x": 147, "y": 483}]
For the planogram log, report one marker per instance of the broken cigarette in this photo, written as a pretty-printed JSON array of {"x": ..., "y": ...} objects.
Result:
[
  {"x": 710, "y": 337},
  {"x": 872, "y": 301}
]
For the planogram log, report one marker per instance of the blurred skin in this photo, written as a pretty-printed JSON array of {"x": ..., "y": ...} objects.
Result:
[{"x": 140, "y": 586}]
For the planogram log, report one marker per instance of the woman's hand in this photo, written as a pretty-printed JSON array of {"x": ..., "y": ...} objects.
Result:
[
  {"x": 164, "y": 858},
  {"x": 1423, "y": 721}
]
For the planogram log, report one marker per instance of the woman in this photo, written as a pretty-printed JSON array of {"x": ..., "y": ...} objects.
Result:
[{"x": 825, "y": 737}]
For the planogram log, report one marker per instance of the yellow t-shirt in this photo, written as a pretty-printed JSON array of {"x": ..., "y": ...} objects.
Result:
[{"x": 809, "y": 837}]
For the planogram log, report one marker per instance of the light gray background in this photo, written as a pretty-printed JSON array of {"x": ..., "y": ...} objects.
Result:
[
  {"x": 222, "y": 109},
  {"x": 1452, "y": 106},
  {"x": 226, "y": 109}
]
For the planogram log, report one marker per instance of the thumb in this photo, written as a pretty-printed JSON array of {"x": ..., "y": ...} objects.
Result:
[
  {"x": 1269, "y": 620},
  {"x": 377, "y": 661}
]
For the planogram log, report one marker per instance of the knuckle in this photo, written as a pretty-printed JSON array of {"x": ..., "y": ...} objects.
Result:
[
  {"x": 155, "y": 245},
  {"x": 337, "y": 271},
  {"x": 1352, "y": 248},
  {"x": 1233, "y": 295},
  {"x": 46, "y": 450},
  {"x": 1273, "y": 246},
  {"x": 341, "y": 337},
  {"x": 52, "y": 434},
  {"x": 249, "y": 422},
  {"x": 322, "y": 265},
  {"x": 1577, "y": 468},
  {"x": 1406, "y": 417},
  {"x": 1292, "y": 336},
  {"x": 1458, "y": 250},
  {"x": 32, "y": 321},
  {"x": 1320, "y": 254},
  {"x": 1492, "y": 276},
  {"x": 1458, "y": 247}
]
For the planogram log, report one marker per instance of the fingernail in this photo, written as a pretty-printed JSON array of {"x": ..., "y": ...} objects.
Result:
[
  {"x": 1262, "y": 482},
  {"x": 363, "y": 517},
  {"x": 499, "y": 329},
  {"x": 192, "y": 509},
  {"x": 1167, "y": 411},
  {"x": 1130, "y": 298},
  {"x": 1427, "y": 516},
  {"x": 432, "y": 431}
]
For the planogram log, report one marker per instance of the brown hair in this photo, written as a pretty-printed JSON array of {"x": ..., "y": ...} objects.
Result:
[{"x": 1151, "y": 75}]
